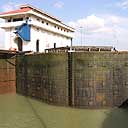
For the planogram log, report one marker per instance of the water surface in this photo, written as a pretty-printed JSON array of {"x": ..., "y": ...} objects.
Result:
[{"x": 17, "y": 111}]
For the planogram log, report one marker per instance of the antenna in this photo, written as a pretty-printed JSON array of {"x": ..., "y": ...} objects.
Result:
[{"x": 115, "y": 34}]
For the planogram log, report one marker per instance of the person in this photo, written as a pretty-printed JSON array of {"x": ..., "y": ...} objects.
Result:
[
  {"x": 12, "y": 49},
  {"x": 114, "y": 49}
]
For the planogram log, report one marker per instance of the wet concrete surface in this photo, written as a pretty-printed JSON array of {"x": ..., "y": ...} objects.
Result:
[{"x": 17, "y": 111}]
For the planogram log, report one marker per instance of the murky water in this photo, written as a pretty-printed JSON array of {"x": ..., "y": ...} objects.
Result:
[{"x": 20, "y": 112}]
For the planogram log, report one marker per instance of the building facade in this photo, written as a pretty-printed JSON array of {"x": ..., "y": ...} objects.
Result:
[{"x": 31, "y": 29}]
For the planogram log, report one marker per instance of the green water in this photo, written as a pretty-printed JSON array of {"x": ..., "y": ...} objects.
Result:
[{"x": 19, "y": 112}]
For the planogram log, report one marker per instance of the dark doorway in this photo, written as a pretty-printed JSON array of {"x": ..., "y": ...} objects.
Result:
[
  {"x": 19, "y": 43},
  {"x": 37, "y": 46},
  {"x": 54, "y": 45}
]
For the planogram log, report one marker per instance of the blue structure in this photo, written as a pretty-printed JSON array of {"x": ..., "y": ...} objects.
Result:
[{"x": 23, "y": 31}]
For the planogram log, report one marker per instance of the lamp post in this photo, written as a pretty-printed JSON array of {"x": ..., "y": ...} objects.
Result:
[{"x": 81, "y": 35}]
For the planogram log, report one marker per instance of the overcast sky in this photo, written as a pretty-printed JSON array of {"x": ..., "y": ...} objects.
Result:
[{"x": 97, "y": 22}]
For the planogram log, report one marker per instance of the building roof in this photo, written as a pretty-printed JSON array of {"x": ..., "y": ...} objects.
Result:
[
  {"x": 26, "y": 8},
  {"x": 21, "y": 10},
  {"x": 40, "y": 11},
  {"x": 29, "y": 9}
]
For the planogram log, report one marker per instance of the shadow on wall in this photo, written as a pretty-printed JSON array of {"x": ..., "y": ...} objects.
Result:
[{"x": 117, "y": 118}]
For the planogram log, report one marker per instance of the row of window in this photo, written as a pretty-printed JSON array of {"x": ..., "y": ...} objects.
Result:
[
  {"x": 21, "y": 19},
  {"x": 54, "y": 26},
  {"x": 15, "y": 19}
]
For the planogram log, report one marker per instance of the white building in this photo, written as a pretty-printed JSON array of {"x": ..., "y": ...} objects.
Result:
[{"x": 29, "y": 28}]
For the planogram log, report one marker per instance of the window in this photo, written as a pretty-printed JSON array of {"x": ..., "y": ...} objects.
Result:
[
  {"x": 42, "y": 22},
  {"x": 54, "y": 45},
  {"x": 37, "y": 46},
  {"x": 55, "y": 26},
  {"x": 9, "y": 20},
  {"x": 58, "y": 28},
  {"x": 47, "y": 23},
  {"x": 38, "y": 29},
  {"x": 17, "y": 19},
  {"x": 27, "y": 18}
]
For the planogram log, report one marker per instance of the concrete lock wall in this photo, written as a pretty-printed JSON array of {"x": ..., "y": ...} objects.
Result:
[
  {"x": 99, "y": 79},
  {"x": 82, "y": 80},
  {"x": 7, "y": 76},
  {"x": 44, "y": 77}
]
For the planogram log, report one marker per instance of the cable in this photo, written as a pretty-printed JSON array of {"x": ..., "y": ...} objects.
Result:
[{"x": 10, "y": 62}]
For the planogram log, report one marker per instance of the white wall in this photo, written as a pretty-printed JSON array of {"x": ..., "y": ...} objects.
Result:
[
  {"x": 47, "y": 39},
  {"x": 9, "y": 38}
]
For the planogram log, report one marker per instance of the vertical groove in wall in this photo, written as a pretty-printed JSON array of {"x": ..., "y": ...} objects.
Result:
[
  {"x": 16, "y": 72},
  {"x": 70, "y": 78},
  {"x": 73, "y": 80},
  {"x": 25, "y": 76}
]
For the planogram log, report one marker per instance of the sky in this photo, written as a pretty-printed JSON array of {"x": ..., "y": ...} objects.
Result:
[{"x": 96, "y": 22}]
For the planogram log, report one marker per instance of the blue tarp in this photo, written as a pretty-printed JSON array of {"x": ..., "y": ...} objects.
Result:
[{"x": 23, "y": 31}]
